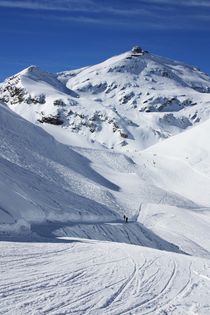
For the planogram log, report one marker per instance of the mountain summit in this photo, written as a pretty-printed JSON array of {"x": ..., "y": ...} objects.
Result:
[{"x": 127, "y": 102}]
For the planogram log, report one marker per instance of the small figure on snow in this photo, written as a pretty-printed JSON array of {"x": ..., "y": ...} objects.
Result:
[{"x": 126, "y": 219}]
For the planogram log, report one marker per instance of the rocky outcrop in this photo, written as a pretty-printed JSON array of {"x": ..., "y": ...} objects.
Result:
[{"x": 53, "y": 120}]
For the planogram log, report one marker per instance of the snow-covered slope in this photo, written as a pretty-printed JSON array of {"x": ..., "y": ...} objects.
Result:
[
  {"x": 74, "y": 276},
  {"x": 42, "y": 179},
  {"x": 191, "y": 147},
  {"x": 60, "y": 191},
  {"x": 129, "y": 102},
  {"x": 181, "y": 164}
]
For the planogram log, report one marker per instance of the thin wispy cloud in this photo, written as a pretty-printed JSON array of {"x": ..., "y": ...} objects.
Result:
[
  {"x": 54, "y": 5},
  {"x": 184, "y": 3},
  {"x": 158, "y": 23},
  {"x": 93, "y": 5},
  {"x": 150, "y": 14},
  {"x": 87, "y": 6}
]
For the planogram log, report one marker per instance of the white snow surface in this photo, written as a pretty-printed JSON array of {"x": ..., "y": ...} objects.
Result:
[
  {"x": 65, "y": 248},
  {"x": 73, "y": 254},
  {"x": 42, "y": 179},
  {"x": 77, "y": 276}
]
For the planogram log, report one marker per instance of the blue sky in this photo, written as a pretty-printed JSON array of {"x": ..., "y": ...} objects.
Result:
[{"x": 65, "y": 34}]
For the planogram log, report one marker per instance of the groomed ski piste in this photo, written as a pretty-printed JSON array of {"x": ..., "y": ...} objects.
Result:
[
  {"x": 79, "y": 276},
  {"x": 65, "y": 248}
]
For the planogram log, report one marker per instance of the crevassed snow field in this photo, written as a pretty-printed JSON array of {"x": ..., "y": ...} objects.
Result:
[{"x": 65, "y": 187}]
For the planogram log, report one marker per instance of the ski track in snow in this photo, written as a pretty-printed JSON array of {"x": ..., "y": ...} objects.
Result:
[{"x": 74, "y": 276}]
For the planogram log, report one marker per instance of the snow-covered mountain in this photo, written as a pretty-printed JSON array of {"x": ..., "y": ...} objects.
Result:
[
  {"x": 129, "y": 102},
  {"x": 127, "y": 137},
  {"x": 88, "y": 182}
]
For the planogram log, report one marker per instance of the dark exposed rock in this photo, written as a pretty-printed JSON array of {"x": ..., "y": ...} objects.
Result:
[
  {"x": 53, "y": 120},
  {"x": 127, "y": 98},
  {"x": 123, "y": 134},
  {"x": 115, "y": 126},
  {"x": 123, "y": 143},
  {"x": 111, "y": 88},
  {"x": 4, "y": 99},
  {"x": 17, "y": 94},
  {"x": 39, "y": 99},
  {"x": 59, "y": 102},
  {"x": 94, "y": 89}
]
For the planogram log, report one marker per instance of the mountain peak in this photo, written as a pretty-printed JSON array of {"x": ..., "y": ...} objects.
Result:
[
  {"x": 33, "y": 69},
  {"x": 137, "y": 50},
  {"x": 132, "y": 96}
]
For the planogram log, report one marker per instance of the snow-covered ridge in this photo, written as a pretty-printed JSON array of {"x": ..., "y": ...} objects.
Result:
[{"x": 128, "y": 102}]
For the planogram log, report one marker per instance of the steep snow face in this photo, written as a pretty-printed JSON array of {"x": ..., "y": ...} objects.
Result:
[
  {"x": 139, "y": 70},
  {"x": 148, "y": 97},
  {"x": 38, "y": 92},
  {"x": 41, "y": 179},
  {"x": 190, "y": 147},
  {"x": 180, "y": 164},
  {"x": 128, "y": 102},
  {"x": 30, "y": 82}
]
